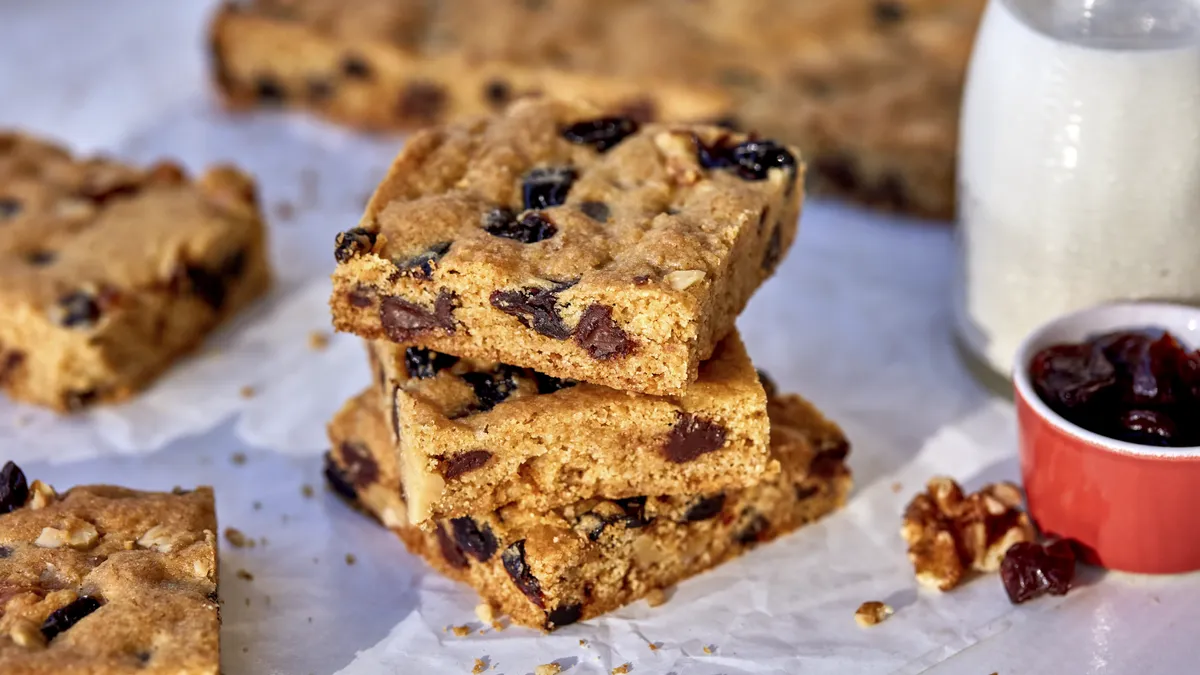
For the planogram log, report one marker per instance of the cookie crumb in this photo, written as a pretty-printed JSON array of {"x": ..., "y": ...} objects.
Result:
[
  {"x": 247, "y": 391},
  {"x": 351, "y": 559},
  {"x": 480, "y": 666},
  {"x": 583, "y": 643},
  {"x": 238, "y": 458},
  {"x": 622, "y": 669},
  {"x": 708, "y": 649},
  {"x": 307, "y": 491},
  {"x": 872, "y": 613},
  {"x": 656, "y": 597},
  {"x": 897, "y": 487},
  {"x": 285, "y": 211},
  {"x": 460, "y": 631},
  {"x": 237, "y": 539},
  {"x": 318, "y": 340},
  {"x": 654, "y": 646},
  {"x": 548, "y": 669},
  {"x": 485, "y": 613},
  {"x": 243, "y": 574}
]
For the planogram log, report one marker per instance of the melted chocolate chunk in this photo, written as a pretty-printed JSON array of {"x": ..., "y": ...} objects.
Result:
[
  {"x": 422, "y": 101},
  {"x": 474, "y": 539},
  {"x": 493, "y": 387},
  {"x": 535, "y": 308},
  {"x": 64, "y": 618},
  {"x": 563, "y": 615},
  {"x": 529, "y": 229},
  {"x": 547, "y": 186},
  {"x": 338, "y": 481},
  {"x": 404, "y": 321},
  {"x": 597, "y": 211},
  {"x": 14, "y": 489},
  {"x": 451, "y": 553},
  {"x": 513, "y": 558},
  {"x": 352, "y": 243},
  {"x": 425, "y": 363},
  {"x": 356, "y": 67},
  {"x": 423, "y": 265},
  {"x": 705, "y": 508},
  {"x": 600, "y": 336},
  {"x": 361, "y": 468},
  {"x": 79, "y": 310},
  {"x": 602, "y": 134},
  {"x": 463, "y": 462},
  {"x": 693, "y": 436}
]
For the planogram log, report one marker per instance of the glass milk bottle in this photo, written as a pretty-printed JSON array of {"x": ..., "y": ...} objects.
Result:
[{"x": 1079, "y": 164}]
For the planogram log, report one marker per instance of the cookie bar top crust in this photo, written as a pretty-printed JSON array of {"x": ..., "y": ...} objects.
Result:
[
  {"x": 105, "y": 580},
  {"x": 473, "y": 436},
  {"x": 589, "y": 248},
  {"x": 108, "y": 271},
  {"x": 549, "y": 568}
]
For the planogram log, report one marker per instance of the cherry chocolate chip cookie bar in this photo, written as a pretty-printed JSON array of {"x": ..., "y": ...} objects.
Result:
[
  {"x": 108, "y": 272},
  {"x": 475, "y": 435},
  {"x": 106, "y": 580},
  {"x": 586, "y": 247},
  {"x": 550, "y": 568}
]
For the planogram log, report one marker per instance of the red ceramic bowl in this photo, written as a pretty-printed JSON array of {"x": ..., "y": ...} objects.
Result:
[{"x": 1132, "y": 507}]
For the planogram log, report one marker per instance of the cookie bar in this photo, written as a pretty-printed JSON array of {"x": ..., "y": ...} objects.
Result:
[
  {"x": 109, "y": 272},
  {"x": 551, "y": 568},
  {"x": 869, "y": 89},
  {"x": 476, "y": 435},
  {"x": 588, "y": 248},
  {"x": 355, "y": 63},
  {"x": 106, "y": 580}
]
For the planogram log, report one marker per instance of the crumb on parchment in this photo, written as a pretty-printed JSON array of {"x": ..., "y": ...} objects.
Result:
[
  {"x": 318, "y": 340},
  {"x": 872, "y": 613},
  {"x": 548, "y": 669},
  {"x": 247, "y": 391},
  {"x": 238, "y": 458},
  {"x": 622, "y": 669},
  {"x": 460, "y": 631},
  {"x": 237, "y": 539},
  {"x": 480, "y": 666}
]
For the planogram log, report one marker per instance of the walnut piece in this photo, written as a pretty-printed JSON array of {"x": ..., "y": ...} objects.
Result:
[
  {"x": 683, "y": 278},
  {"x": 950, "y": 534},
  {"x": 485, "y": 614},
  {"x": 26, "y": 633},
  {"x": 157, "y": 538},
  {"x": 872, "y": 613},
  {"x": 40, "y": 495},
  {"x": 81, "y": 536}
]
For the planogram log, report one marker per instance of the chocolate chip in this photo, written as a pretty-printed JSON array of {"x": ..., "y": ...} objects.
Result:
[
  {"x": 547, "y": 384},
  {"x": 403, "y": 321},
  {"x": 597, "y": 211},
  {"x": 705, "y": 508},
  {"x": 602, "y": 134},
  {"x": 474, "y": 538},
  {"x": 641, "y": 110},
  {"x": 768, "y": 384},
  {"x": 691, "y": 437},
  {"x": 41, "y": 258},
  {"x": 352, "y": 243},
  {"x": 563, "y": 615},
  {"x": 754, "y": 530},
  {"x": 493, "y": 387},
  {"x": 338, "y": 481},
  {"x": 774, "y": 250},
  {"x": 451, "y": 553},
  {"x": 805, "y": 491},
  {"x": 318, "y": 89},
  {"x": 600, "y": 336},
  {"x": 425, "y": 363},
  {"x": 268, "y": 91},
  {"x": 751, "y": 160},
  {"x": 535, "y": 308},
  {"x": 64, "y": 618},
  {"x": 497, "y": 93},
  {"x": 360, "y": 466},
  {"x": 513, "y": 558},
  {"x": 5, "y": 551},
  {"x": 9, "y": 363},
  {"x": 78, "y": 310},
  {"x": 14, "y": 489},
  {"x": 530, "y": 229},
  {"x": 888, "y": 12},
  {"x": 547, "y": 186},
  {"x": 422, "y": 101},
  {"x": 463, "y": 462},
  {"x": 360, "y": 297},
  {"x": 78, "y": 400},
  {"x": 9, "y": 207},
  {"x": 355, "y": 67},
  {"x": 422, "y": 266}
]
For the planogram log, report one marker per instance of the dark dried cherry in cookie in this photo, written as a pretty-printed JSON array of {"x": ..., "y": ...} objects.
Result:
[
  {"x": 9, "y": 207},
  {"x": 465, "y": 462},
  {"x": 475, "y": 539},
  {"x": 547, "y": 384},
  {"x": 79, "y": 310},
  {"x": 451, "y": 553},
  {"x": 403, "y": 320},
  {"x": 535, "y": 308},
  {"x": 62, "y": 619},
  {"x": 563, "y": 615},
  {"x": 14, "y": 489},
  {"x": 531, "y": 228},
  {"x": 597, "y": 211},
  {"x": 353, "y": 242},
  {"x": 493, "y": 387},
  {"x": 705, "y": 508},
  {"x": 513, "y": 558},
  {"x": 754, "y": 530},
  {"x": 1029, "y": 570},
  {"x": 602, "y": 134},
  {"x": 635, "y": 511},
  {"x": 600, "y": 336},
  {"x": 421, "y": 266},
  {"x": 338, "y": 481},
  {"x": 751, "y": 160},
  {"x": 691, "y": 437},
  {"x": 361, "y": 468},
  {"x": 425, "y": 363},
  {"x": 547, "y": 186}
]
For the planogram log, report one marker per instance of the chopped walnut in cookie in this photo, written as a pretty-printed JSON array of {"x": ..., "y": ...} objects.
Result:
[{"x": 950, "y": 534}]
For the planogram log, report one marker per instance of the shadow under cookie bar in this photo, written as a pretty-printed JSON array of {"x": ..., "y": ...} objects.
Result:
[
  {"x": 585, "y": 247},
  {"x": 551, "y": 568},
  {"x": 109, "y": 273},
  {"x": 473, "y": 436},
  {"x": 270, "y": 57},
  {"x": 107, "y": 580}
]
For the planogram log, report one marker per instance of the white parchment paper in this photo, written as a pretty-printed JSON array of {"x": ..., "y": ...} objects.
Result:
[{"x": 857, "y": 320}]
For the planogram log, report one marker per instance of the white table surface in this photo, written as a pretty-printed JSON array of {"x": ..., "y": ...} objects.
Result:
[{"x": 857, "y": 320}]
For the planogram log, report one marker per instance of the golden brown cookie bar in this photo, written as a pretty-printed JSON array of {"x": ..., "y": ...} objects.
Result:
[
  {"x": 550, "y": 568},
  {"x": 352, "y": 62},
  {"x": 105, "y": 580},
  {"x": 476, "y": 435},
  {"x": 108, "y": 273},
  {"x": 588, "y": 248},
  {"x": 869, "y": 89}
]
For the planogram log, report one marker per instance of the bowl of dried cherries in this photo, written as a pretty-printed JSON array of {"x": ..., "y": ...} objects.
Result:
[{"x": 1108, "y": 410}]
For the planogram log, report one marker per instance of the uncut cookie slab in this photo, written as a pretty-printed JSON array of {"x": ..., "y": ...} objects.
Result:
[
  {"x": 108, "y": 272},
  {"x": 586, "y": 247},
  {"x": 869, "y": 89},
  {"x": 106, "y": 580},
  {"x": 475, "y": 435},
  {"x": 550, "y": 568}
]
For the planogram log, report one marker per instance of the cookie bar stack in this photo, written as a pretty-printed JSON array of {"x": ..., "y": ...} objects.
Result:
[{"x": 563, "y": 415}]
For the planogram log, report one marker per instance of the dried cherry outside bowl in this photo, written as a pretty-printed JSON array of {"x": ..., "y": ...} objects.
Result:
[{"x": 1132, "y": 507}]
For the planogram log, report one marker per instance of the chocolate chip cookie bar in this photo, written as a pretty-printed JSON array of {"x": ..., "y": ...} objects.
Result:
[
  {"x": 362, "y": 64},
  {"x": 586, "y": 247},
  {"x": 109, "y": 272},
  {"x": 106, "y": 580},
  {"x": 550, "y": 568},
  {"x": 869, "y": 89},
  {"x": 475, "y": 435}
]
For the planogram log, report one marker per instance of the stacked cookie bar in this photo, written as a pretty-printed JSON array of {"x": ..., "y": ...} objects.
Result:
[{"x": 563, "y": 414}]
